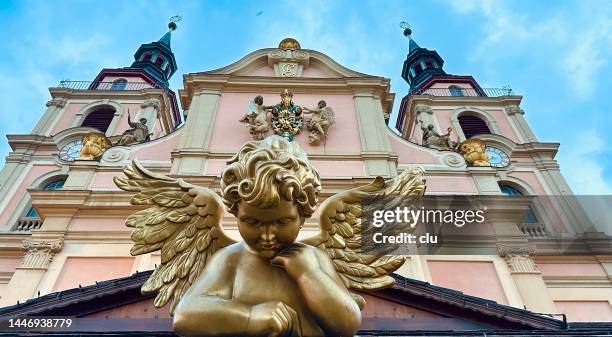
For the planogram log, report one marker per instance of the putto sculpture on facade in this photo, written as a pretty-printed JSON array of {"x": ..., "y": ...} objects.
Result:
[
  {"x": 320, "y": 121},
  {"x": 138, "y": 132},
  {"x": 256, "y": 118},
  {"x": 434, "y": 140},
  {"x": 268, "y": 284},
  {"x": 94, "y": 145},
  {"x": 473, "y": 150}
]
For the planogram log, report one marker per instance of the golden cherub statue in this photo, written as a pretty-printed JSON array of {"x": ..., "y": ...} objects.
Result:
[
  {"x": 268, "y": 284},
  {"x": 473, "y": 150},
  {"x": 94, "y": 145}
]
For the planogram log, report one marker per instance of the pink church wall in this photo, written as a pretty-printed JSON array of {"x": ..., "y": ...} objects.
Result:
[
  {"x": 411, "y": 153},
  {"x": 503, "y": 123},
  {"x": 98, "y": 224},
  {"x": 450, "y": 184},
  {"x": 530, "y": 178},
  {"x": 339, "y": 168},
  {"x": 88, "y": 270},
  {"x": 326, "y": 169},
  {"x": 104, "y": 180},
  {"x": 158, "y": 149},
  {"x": 35, "y": 172},
  {"x": 123, "y": 125},
  {"x": 315, "y": 72},
  {"x": 572, "y": 269},
  {"x": 9, "y": 265},
  {"x": 265, "y": 71},
  {"x": 585, "y": 311},
  {"x": 477, "y": 278},
  {"x": 229, "y": 134},
  {"x": 68, "y": 116}
]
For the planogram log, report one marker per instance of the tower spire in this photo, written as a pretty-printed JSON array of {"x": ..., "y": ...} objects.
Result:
[
  {"x": 412, "y": 45},
  {"x": 156, "y": 58},
  {"x": 421, "y": 64}
]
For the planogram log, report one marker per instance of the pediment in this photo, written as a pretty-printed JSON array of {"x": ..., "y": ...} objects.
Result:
[{"x": 273, "y": 62}]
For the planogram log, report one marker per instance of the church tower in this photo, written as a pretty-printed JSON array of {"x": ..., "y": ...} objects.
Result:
[
  {"x": 103, "y": 104},
  {"x": 421, "y": 64},
  {"x": 157, "y": 58}
]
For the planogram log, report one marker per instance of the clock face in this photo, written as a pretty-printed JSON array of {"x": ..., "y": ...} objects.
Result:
[
  {"x": 497, "y": 157},
  {"x": 71, "y": 151}
]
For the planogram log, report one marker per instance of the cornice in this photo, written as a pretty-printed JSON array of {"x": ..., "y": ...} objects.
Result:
[
  {"x": 201, "y": 82},
  {"x": 333, "y": 156},
  {"x": 147, "y": 93}
]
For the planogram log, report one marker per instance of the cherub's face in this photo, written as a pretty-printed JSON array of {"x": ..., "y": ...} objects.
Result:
[{"x": 268, "y": 231}]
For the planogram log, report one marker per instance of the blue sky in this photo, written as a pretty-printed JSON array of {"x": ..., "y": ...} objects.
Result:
[{"x": 555, "y": 53}]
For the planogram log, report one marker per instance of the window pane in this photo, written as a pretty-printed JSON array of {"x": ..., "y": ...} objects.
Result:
[
  {"x": 119, "y": 84},
  {"x": 455, "y": 91}
]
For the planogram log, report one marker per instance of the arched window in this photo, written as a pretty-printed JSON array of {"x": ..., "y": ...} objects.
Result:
[
  {"x": 119, "y": 84},
  {"x": 147, "y": 57},
  {"x": 472, "y": 125},
  {"x": 511, "y": 191},
  {"x": 52, "y": 186},
  {"x": 417, "y": 68},
  {"x": 100, "y": 118},
  {"x": 455, "y": 90},
  {"x": 159, "y": 60},
  {"x": 56, "y": 185}
]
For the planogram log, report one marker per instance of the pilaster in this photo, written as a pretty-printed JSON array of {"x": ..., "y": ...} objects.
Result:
[
  {"x": 198, "y": 131},
  {"x": 527, "y": 277},
  {"x": 485, "y": 179},
  {"x": 38, "y": 255},
  {"x": 515, "y": 114},
  {"x": 374, "y": 140},
  {"x": 45, "y": 123}
]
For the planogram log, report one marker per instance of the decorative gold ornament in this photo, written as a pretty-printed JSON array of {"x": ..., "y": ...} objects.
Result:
[
  {"x": 287, "y": 117},
  {"x": 94, "y": 145},
  {"x": 289, "y": 44},
  {"x": 268, "y": 284},
  {"x": 288, "y": 70},
  {"x": 473, "y": 150},
  {"x": 320, "y": 121}
]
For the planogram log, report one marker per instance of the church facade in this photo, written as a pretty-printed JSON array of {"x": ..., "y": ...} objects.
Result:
[{"x": 65, "y": 247}]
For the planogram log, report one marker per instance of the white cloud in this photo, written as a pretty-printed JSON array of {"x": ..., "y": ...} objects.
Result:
[
  {"x": 574, "y": 38},
  {"x": 581, "y": 167},
  {"x": 585, "y": 60}
]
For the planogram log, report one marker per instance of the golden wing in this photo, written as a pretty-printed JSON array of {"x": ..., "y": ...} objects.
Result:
[
  {"x": 341, "y": 233},
  {"x": 183, "y": 222}
]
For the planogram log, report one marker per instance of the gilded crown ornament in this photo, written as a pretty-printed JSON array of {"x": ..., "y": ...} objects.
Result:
[
  {"x": 287, "y": 117},
  {"x": 268, "y": 284}
]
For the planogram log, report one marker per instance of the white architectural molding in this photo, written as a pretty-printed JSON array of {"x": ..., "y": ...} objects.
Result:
[
  {"x": 92, "y": 106},
  {"x": 518, "y": 258},
  {"x": 39, "y": 253},
  {"x": 472, "y": 111}
]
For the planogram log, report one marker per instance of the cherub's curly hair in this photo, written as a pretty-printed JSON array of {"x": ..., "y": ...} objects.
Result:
[{"x": 263, "y": 171}]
